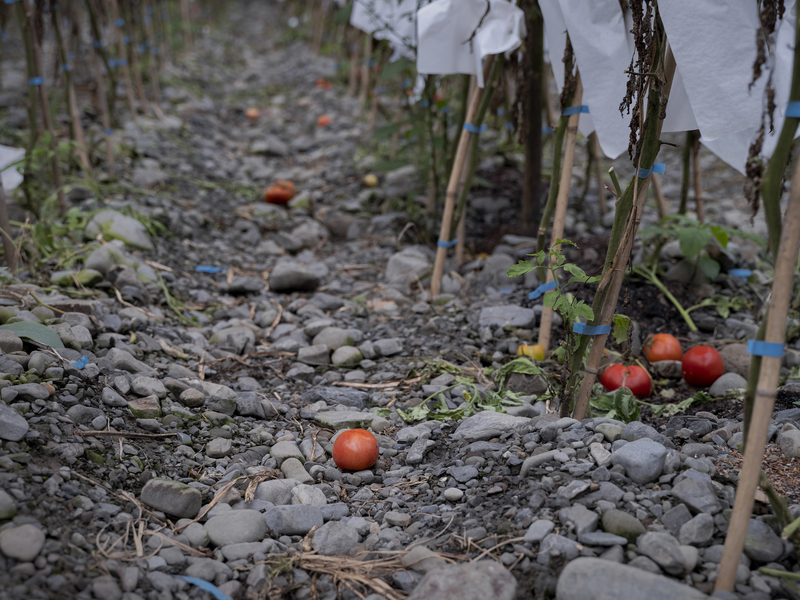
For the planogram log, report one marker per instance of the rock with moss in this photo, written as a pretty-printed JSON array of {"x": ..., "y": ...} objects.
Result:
[{"x": 116, "y": 226}]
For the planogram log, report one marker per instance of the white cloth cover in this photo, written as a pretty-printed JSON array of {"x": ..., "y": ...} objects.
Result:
[
  {"x": 11, "y": 176},
  {"x": 445, "y": 25},
  {"x": 391, "y": 20}
]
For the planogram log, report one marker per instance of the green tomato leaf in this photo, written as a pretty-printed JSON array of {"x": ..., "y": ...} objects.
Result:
[
  {"x": 721, "y": 235},
  {"x": 693, "y": 240},
  {"x": 550, "y": 298},
  {"x": 36, "y": 332},
  {"x": 626, "y": 405},
  {"x": 387, "y": 131},
  {"x": 709, "y": 267},
  {"x": 584, "y": 310},
  {"x": 620, "y": 328},
  {"x": 419, "y": 413},
  {"x": 521, "y": 268},
  {"x": 580, "y": 274}
]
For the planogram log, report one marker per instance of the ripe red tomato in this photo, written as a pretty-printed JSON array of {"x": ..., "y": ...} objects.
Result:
[
  {"x": 662, "y": 346},
  {"x": 635, "y": 378},
  {"x": 702, "y": 366},
  {"x": 324, "y": 121},
  {"x": 355, "y": 450},
  {"x": 280, "y": 192}
]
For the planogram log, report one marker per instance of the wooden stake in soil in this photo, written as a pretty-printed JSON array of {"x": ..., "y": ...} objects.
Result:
[
  {"x": 355, "y": 56},
  {"x": 5, "y": 232},
  {"x": 39, "y": 82},
  {"x": 186, "y": 22},
  {"x": 153, "y": 53},
  {"x": 365, "y": 69},
  {"x": 597, "y": 154},
  {"x": 104, "y": 114},
  {"x": 771, "y": 352},
  {"x": 661, "y": 202},
  {"x": 452, "y": 188},
  {"x": 546, "y": 322},
  {"x": 129, "y": 28},
  {"x": 122, "y": 61},
  {"x": 75, "y": 125},
  {"x": 697, "y": 179}
]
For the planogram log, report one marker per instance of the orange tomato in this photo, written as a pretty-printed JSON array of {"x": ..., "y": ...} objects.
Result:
[
  {"x": 355, "y": 450},
  {"x": 280, "y": 192},
  {"x": 662, "y": 346},
  {"x": 323, "y": 121},
  {"x": 252, "y": 113}
]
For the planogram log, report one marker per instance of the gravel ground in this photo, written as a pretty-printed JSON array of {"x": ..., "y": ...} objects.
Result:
[{"x": 183, "y": 436}]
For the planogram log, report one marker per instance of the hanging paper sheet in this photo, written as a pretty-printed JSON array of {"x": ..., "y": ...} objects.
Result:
[
  {"x": 391, "y": 20},
  {"x": 11, "y": 175},
  {"x": 456, "y": 35}
]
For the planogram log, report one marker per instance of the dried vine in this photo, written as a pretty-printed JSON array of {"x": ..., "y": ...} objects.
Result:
[{"x": 643, "y": 35}]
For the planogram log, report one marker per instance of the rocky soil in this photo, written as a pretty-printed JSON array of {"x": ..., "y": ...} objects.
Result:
[{"x": 183, "y": 435}]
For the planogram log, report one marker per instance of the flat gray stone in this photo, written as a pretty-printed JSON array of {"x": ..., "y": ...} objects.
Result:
[
  {"x": 729, "y": 381},
  {"x": 538, "y": 530},
  {"x": 277, "y": 491},
  {"x": 22, "y": 543},
  {"x": 479, "y": 580},
  {"x": 125, "y": 361},
  {"x": 236, "y": 526},
  {"x": 698, "y": 495},
  {"x": 335, "y": 537},
  {"x": 345, "y": 419},
  {"x": 13, "y": 425},
  {"x": 283, "y": 450},
  {"x": 509, "y": 315},
  {"x": 664, "y": 550},
  {"x": 698, "y": 531},
  {"x": 172, "y": 497},
  {"x": 622, "y": 524},
  {"x": 762, "y": 544},
  {"x": 642, "y": 459},
  {"x": 219, "y": 448},
  {"x": 598, "y": 579},
  {"x": 288, "y": 276},
  {"x": 116, "y": 226},
  {"x": 489, "y": 424},
  {"x": 8, "y": 507},
  {"x": 297, "y": 519}
]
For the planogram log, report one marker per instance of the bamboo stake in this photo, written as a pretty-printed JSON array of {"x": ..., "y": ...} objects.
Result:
[
  {"x": 126, "y": 71},
  {"x": 461, "y": 228},
  {"x": 104, "y": 114},
  {"x": 362, "y": 98},
  {"x": 164, "y": 34},
  {"x": 186, "y": 22},
  {"x": 533, "y": 61},
  {"x": 384, "y": 57},
  {"x": 133, "y": 59},
  {"x": 687, "y": 161},
  {"x": 355, "y": 56},
  {"x": 616, "y": 270},
  {"x": 151, "y": 60},
  {"x": 33, "y": 127},
  {"x": 75, "y": 125},
  {"x": 661, "y": 202},
  {"x": 697, "y": 179},
  {"x": 5, "y": 232},
  {"x": 546, "y": 321},
  {"x": 46, "y": 117},
  {"x": 318, "y": 26},
  {"x": 452, "y": 186},
  {"x": 97, "y": 44},
  {"x": 598, "y": 173},
  {"x": 765, "y": 391}
]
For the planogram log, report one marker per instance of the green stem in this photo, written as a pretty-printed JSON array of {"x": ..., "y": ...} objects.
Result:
[
  {"x": 22, "y": 19},
  {"x": 651, "y": 277},
  {"x": 613, "y": 174},
  {"x": 112, "y": 88},
  {"x": 777, "y": 573}
]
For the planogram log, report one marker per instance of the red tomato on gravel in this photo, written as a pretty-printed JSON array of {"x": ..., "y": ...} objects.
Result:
[
  {"x": 702, "y": 366},
  {"x": 662, "y": 346},
  {"x": 635, "y": 378},
  {"x": 355, "y": 450}
]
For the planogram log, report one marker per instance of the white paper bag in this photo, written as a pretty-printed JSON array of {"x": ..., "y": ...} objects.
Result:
[
  {"x": 391, "y": 20},
  {"x": 445, "y": 28},
  {"x": 11, "y": 176}
]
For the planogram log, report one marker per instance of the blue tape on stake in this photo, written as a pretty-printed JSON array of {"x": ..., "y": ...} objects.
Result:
[
  {"x": 450, "y": 244},
  {"x": 585, "y": 329},
  {"x": 66, "y": 67},
  {"x": 793, "y": 110},
  {"x": 154, "y": 50},
  {"x": 656, "y": 168},
  {"x": 444, "y": 110},
  {"x": 149, "y": 10},
  {"x": 546, "y": 129},
  {"x": 743, "y": 273},
  {"x": 117, "y": 62},
  {"x": 424, "y": 104},
  {"x": 371, "y": 62},
  {"x": 10, "y": 1},
  {"x": 545, "y": 287},
  {"x": 474, "y": 128},
  {"x": 206, "y": 586},
  {"x": 574, "y": 110},
  {"x": 119, "y": 22},
  {"x": 509, "y": 126},
  {"x": 140, "y": 48},
  {"x": 759, "y": 348},
  {"x": 81, "y": 363},
  {"x": 36, "y": 81},
  {"x": 126, "y": 39},
  {"x": 147, "y": 20},
  {"x": 70, "y": 56},
  {"x": 407, "y": 83},
  {"x": 108, "y": 131},
  {"x": 208, "y": 269},
  {"x": 501, "y": 111}
]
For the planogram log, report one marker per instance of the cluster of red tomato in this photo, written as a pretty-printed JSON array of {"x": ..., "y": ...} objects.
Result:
[{"x": 701, "y": 366}]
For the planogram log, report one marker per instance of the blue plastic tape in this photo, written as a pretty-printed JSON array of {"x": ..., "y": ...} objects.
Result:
[
  {"x": 149, "y": 10},
  {"x": 407, "y": 83},
  {"x": 656, "y": 168},
  {"x": 759, "y": 348},
  {"x": 793, "y": 110},
  {"x": 117, "y": 62},
  {"x": 70, "y": 55},
  {"x": 119, "y": 22},
  {"x": 450, "y": 244},
  {"x": 424, "y": 104},
  {"x": 154, "y": 50},
  {"x": 743, "y": 273},
  {"x": 574, "y": 110},
  {"x": 66, "y": 67},
  {"x": 371, "y": 62},
  {"x": 545, "y": 287},
  {"x": 208, "y": 269},
  {"x": 108, "y": 131},
  {"x": 474, "y": 128},
  {"x": 140, "y": 48},
  {"x": 206, "y": 586},
  {"x": 147, "y": 20},
  {"x": 585, "y": 329},
  {"x": 547, "y": 130},
  {"x": 36, "y": 81},
  {"x": 10, "y": 1},
  {"x": 126, "y": 39},
  {"x": 509, "y": 126},
  {"x": 501, "y": 111},
  {"x": 97, "y": 44},
  {"x": 444, "y": 110},
  {"x": 81, "y": 362}
]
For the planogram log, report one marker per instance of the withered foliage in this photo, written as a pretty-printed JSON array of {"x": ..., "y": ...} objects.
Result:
[
  {"x": 771, "y": 12},
  {"x": 569, "y": 74},
  {"x": 644, "y": 43}
]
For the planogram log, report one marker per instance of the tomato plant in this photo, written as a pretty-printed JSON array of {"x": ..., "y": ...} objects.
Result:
[
  {"x": 635, "y": 378},
  {"x": 355, "y": 450},
  {"x": 662, "y": 346},
  {"x": 702, "y": 366}
]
